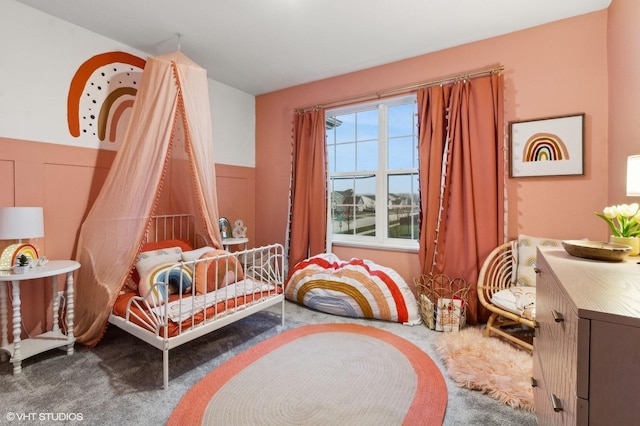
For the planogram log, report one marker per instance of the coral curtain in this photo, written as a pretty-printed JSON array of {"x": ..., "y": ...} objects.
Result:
[
  {"x": 165, "y": 165},
  {"x": 461, "y": 179},
  {"x": 308, "y": 227}
]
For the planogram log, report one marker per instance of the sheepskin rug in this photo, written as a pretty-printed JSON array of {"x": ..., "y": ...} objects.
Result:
[{"x": 489, "y": 365}]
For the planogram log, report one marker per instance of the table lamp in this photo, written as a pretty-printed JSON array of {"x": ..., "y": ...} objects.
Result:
[
  {"x": 633, "y": 176},
  {"x": 17, "y": 223}
]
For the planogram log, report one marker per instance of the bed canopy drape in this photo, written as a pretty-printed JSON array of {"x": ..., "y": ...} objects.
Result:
[{"x": 165, "y": 165}]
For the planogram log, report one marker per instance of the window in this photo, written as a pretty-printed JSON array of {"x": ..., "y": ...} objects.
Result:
[{"x": 372, "y": 152}]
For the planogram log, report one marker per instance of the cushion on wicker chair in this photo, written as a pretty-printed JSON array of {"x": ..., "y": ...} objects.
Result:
[
  {"x": 527, "y": 252},
  {"x": 521, "y": 300}
]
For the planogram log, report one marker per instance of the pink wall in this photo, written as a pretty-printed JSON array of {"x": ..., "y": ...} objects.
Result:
[
  {"x": 624, "y": 88},
  {"x": 555, "y": 69},
  {"x": 236, "y": 188}
]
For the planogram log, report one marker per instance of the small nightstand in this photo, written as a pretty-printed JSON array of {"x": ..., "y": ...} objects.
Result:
[
  {"x": 55, "y": 338},
  {"x": 226, "y": 242}
]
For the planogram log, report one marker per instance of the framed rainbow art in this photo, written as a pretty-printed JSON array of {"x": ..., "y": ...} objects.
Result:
[{"x": 552, "y": 146}]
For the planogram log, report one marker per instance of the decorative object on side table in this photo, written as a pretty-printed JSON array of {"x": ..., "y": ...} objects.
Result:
[
  {"x": 239, "y": 230},
  {"x": 225, "y": 227},
  {"x": 18, "y": 223},
  {"x": 235, "y": 236},
  {"x": 624, "y": 222},
  {"x": 23, "y": 264}
]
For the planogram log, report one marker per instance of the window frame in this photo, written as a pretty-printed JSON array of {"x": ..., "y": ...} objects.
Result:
[{"x": 382, "y": 173}]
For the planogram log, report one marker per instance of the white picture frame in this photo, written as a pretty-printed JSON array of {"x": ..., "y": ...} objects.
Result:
[{"x": 551, "y": 146}]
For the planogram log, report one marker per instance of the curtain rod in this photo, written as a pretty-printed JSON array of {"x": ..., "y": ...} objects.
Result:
[{"x": 378, "y": 95}]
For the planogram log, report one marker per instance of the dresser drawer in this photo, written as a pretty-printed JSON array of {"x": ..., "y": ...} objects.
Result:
[
  {"x": 556, "y": 347},
  {"x": 544, "y": 410}
]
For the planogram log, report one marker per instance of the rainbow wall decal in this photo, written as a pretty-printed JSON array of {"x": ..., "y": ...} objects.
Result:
[
  {"x": 101, "y": 90},
  {"x": 544, "y": 147}
]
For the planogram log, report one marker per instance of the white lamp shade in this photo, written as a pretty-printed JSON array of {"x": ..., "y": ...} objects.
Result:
[
  {"x": 21, "y": 222},
  {"x": 633, "y": 175}
]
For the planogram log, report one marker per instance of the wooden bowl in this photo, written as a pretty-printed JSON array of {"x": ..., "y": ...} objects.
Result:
[{"x": 597, "y": 250}]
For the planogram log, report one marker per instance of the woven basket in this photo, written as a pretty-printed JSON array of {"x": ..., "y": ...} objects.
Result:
[{"x": 442, "y": 301}]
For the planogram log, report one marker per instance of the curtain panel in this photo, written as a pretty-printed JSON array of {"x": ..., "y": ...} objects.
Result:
[
  {"x": 461, "y": 165},
  {"x": 308, "y": 227}
]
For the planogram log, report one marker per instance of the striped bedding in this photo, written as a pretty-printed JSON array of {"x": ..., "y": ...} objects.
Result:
[{"x": 355, "y": 288}]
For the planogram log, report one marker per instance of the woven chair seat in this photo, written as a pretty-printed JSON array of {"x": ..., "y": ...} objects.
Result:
[{"x": 520, "y": 300}]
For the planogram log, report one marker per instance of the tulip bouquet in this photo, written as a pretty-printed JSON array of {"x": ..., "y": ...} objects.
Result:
[{"x": 623, "y": 219}]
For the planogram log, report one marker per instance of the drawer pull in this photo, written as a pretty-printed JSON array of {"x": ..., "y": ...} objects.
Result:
[
  {"x": 536, "y": 270},
  {"x": 556, "y": 403},
  {"x": 557, "y": 316},
  {"x": 534, "y": 382}
]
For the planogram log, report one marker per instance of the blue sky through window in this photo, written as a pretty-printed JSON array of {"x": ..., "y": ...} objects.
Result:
[{"x": 353, "y": 146}]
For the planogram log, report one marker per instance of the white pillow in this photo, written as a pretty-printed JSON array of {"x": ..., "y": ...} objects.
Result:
[
  {"x": 526, "y": 275},
  {"x": 188, "y": 256},
  {"x": 148, "y": 259}
]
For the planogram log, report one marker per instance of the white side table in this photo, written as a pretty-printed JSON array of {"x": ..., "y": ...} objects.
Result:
[
  {"x": 22, "y": 349},
  {"x": 226, "y": 242}
]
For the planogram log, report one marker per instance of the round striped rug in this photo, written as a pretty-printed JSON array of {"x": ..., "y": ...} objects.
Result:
[{"x": 323, "y": 374}]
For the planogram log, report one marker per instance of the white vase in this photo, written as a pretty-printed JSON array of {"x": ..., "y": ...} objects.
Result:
[
  {"x": 20, "y": 269},
  {"x": 633, "y": 242}
]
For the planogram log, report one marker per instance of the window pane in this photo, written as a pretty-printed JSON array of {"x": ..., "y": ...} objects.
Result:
[
  {"x": 346, "y": 132},
  {"x": 367, "y": 125},
  {"x": 365, "y": 207},
  {"x": 353, "y": 212},
  {"x": 367, "y": 156},
  {"x": 341, "y": 202},
  {"x": 331, "y": 154},
  {"x": 330, "y": 133},
  {"x": 403, "y": 206},
  {"x": 401, "y": 120},
  {"x": 345, "y": 157},
  {"x": 402, "y": 153}
]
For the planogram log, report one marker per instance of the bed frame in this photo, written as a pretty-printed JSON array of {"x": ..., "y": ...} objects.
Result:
[{"x": 150, "y": 321}]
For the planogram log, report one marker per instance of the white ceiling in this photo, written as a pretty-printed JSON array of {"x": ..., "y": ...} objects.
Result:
[{"x": 259, "y": 46}]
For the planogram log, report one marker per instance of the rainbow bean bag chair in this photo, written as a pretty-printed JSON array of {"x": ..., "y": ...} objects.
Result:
[{"x": 355, "y": 288}]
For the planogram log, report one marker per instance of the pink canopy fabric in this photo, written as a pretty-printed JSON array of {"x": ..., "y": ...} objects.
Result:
[{"x": 165, "y": 165}]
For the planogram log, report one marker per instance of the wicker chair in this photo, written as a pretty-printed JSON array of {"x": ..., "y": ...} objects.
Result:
[{"x": 497, "y": 273}]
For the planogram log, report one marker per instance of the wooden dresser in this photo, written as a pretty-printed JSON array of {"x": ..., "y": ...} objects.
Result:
[{"x": 586, "y": 353}]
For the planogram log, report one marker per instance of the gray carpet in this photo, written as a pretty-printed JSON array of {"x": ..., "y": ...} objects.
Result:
[{"x": 119, "y": 382}]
